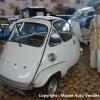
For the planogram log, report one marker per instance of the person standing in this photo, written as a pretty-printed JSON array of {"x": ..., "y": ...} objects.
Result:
[{"x": 95, "y": 39}]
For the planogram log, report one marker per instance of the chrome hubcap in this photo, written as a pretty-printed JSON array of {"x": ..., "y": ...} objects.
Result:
[{"x": 52, "y": 87}]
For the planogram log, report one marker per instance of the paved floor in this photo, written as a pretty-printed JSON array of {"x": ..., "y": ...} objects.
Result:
[{"x": 80, "y": 82}]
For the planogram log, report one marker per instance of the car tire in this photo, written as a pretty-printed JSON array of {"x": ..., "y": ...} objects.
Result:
[{"x": 51, "y": 86}]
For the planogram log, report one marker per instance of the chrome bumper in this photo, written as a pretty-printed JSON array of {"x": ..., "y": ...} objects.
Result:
[{"x": 15, "y": 85}]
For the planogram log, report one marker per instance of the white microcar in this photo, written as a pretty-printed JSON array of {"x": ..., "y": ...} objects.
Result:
[{"x": 38, "y": 53}]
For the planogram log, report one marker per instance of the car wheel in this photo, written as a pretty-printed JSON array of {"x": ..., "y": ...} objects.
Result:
[{"x": 51, "y": 86}]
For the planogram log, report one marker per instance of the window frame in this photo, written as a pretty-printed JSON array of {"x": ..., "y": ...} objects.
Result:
[
  {"x": 70, "y": 31},
  {"x": 21, "y": 36},
  {"x": 53, "y": 29},
  {"x": 18, "y": 37}
]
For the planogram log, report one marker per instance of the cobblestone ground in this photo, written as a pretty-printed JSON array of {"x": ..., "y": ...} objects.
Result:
[{"x": 79, "y": 81}]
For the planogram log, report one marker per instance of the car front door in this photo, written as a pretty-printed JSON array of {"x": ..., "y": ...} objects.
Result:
[{"x": 58, "y": 54}]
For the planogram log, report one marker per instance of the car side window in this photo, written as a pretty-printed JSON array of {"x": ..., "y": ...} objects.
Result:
[
  {"x": 54, "y": 39},
  {"x": 39, "y": 28},
  {"x": 64, "y": 30},
  {"x": 65, "y": 36}
]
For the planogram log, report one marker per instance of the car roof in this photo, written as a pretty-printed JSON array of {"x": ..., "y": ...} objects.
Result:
[
  {"x": 49, "y": 18},
  {"x": 86, "y": 8},
  {"x": 41, "y": 18}
]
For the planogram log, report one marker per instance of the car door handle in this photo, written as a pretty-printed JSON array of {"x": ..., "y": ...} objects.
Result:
[
  {"x": 51, "y": 57},
  {"x": 74, "y": 42}
]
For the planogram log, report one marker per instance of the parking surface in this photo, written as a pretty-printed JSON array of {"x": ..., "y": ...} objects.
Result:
[{"x": 80, "y": 82}]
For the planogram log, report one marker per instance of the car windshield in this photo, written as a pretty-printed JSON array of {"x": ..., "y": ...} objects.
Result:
[
  {"x": 64, "y": 30},
  {"x": 28, "y": 33}
]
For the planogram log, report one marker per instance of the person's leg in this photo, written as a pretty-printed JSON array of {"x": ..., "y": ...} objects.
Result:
[
  {"x": 98, "y": 59},
  {"x": 93, "y": 59}
]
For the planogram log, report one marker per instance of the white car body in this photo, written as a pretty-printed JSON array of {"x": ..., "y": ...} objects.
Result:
[
  {"x": 83, "y": 34},
  {"x": 25, "y": 67}
]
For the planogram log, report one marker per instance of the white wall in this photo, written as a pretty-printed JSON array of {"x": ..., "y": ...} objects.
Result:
[
  {"x": 20, "y": 3},
  {"x": 45, "y": 3}
]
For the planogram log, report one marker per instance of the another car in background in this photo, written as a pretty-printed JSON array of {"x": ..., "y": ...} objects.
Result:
[
  {"x": 4, "y": 35},
  {"x": 82, "y": 34},
  {"x": 66, "y": 17},
  {"x": 84, "y": 16},
  {"x": 4, "y": 23},
  {"x": 87, "y": 17}
]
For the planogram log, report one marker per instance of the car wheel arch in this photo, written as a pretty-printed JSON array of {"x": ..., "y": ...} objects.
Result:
[
  {"x": 56, "y": 76},
  {"x": 37, "y": 83}
]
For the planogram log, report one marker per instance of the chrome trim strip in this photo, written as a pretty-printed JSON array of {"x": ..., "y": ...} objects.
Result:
[{"x": 47, "y": 68}]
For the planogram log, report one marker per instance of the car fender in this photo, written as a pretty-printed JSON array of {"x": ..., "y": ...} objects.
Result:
[{"x": 43, "y": 77}]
